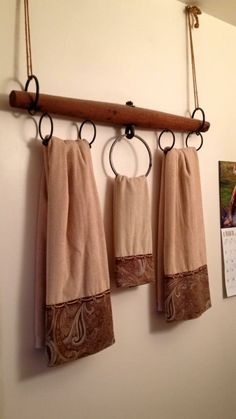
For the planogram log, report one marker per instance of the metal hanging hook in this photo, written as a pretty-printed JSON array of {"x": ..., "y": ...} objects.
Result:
[
  {"x": 129, "y": 131},
  {"x": 166, "y": 149},
  {"x": 130, "y": 128}
]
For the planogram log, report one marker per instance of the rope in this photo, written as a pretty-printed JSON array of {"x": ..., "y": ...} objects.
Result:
[
  {"x": 27, "y": 40},
  {"x": 193, "y": 21}
]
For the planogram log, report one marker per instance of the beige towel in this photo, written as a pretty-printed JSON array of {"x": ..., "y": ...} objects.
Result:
[
  {"x": 182, "y": 278},
  {"x": 73, "y": 307},
  {"x": 132, "y": 232}
]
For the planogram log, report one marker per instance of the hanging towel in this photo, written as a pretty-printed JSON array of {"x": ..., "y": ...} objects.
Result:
[
  {"x": 182, "y": 277},
  {"x": 72, "y": 299},
  {"x": 132, "y": 232}
]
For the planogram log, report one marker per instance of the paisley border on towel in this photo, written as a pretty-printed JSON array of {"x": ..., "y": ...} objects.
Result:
[
  {"x": 78, "y": 328},
  {"x": 187, "y": 294},
  {"x": 131, "y": 271}
]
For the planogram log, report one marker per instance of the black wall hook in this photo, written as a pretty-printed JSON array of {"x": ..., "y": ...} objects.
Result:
[
  {"x": 129, "y": 131},
  {"x": 130, "y": 128}
]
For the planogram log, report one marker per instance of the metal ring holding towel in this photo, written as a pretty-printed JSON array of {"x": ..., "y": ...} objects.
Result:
[
  {"x": 46, "y": 139},
  {"x": 139, "y": 138},
  {"x": 197, "y": 133},
  {"x": 94, "y": 127},
  {"x": 166, "y": 149}
]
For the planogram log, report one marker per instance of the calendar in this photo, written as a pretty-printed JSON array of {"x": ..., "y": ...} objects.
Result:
[
  {"x": 228, "y": 236},
  {"x": 227, "y": 183}
]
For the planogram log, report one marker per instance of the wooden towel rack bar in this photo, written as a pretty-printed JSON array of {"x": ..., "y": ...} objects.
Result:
[{"x": 106, "y": 113}]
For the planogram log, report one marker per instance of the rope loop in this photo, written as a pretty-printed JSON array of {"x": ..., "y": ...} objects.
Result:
[{"x": 194, "y": 11}]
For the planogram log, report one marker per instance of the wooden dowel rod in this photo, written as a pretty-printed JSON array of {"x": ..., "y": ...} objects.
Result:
[{"x": 106, "y": 113}]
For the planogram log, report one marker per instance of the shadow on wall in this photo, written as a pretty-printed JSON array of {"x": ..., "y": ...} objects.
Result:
[
  {"x": 4, "y": 103},
  {"x": 30, "y": 360},
  {"x": 2, "y": 384},
  {"x": 107, "y": 217},
  {"x": 10, "y": 84},
  {"x": 108, "y": 212}
]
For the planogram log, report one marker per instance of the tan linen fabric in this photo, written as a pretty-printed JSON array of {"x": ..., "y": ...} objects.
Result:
[
  {"x": 72, "y": 281},
  {"x": 182, "y": 278},
  {"x": 132, "y": 232}
]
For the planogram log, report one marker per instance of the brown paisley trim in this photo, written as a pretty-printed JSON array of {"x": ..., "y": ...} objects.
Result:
[
  {"x": 131, "y": 271},
  {"x": 78, "y": 328},
  {"x": 187, "y": 294}
]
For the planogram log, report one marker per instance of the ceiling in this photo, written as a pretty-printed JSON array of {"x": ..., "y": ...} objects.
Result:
[{"x": 221, "y": 9}]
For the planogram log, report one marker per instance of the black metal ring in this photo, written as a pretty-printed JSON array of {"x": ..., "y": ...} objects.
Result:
[
  {"x": 94, "y": 127},
  {"x": 45, "y": 140},
  {"x": 33, "y": 106},
  {"x": 203, "y": 118},
  {"x": 166, "y": 149},
  {"x": 139, "y": 138},
  {"x": 197, "y": 133}
]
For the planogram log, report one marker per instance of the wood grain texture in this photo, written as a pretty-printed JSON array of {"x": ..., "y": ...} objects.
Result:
[{"x": 106, "y": 113}]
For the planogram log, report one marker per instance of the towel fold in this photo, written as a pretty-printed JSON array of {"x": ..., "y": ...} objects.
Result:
[
  {"x": 132, "y": 232},
  {"x": 182, "y": 277},
  {"x": 73, "y": 315}
]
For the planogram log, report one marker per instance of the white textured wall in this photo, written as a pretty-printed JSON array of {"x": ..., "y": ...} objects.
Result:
[{"x": 114, "y": 50}]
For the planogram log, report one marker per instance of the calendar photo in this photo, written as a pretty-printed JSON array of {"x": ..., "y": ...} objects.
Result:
[
  {"x": 227, "y": 181},
  {"x": 227, "y": 186}
]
